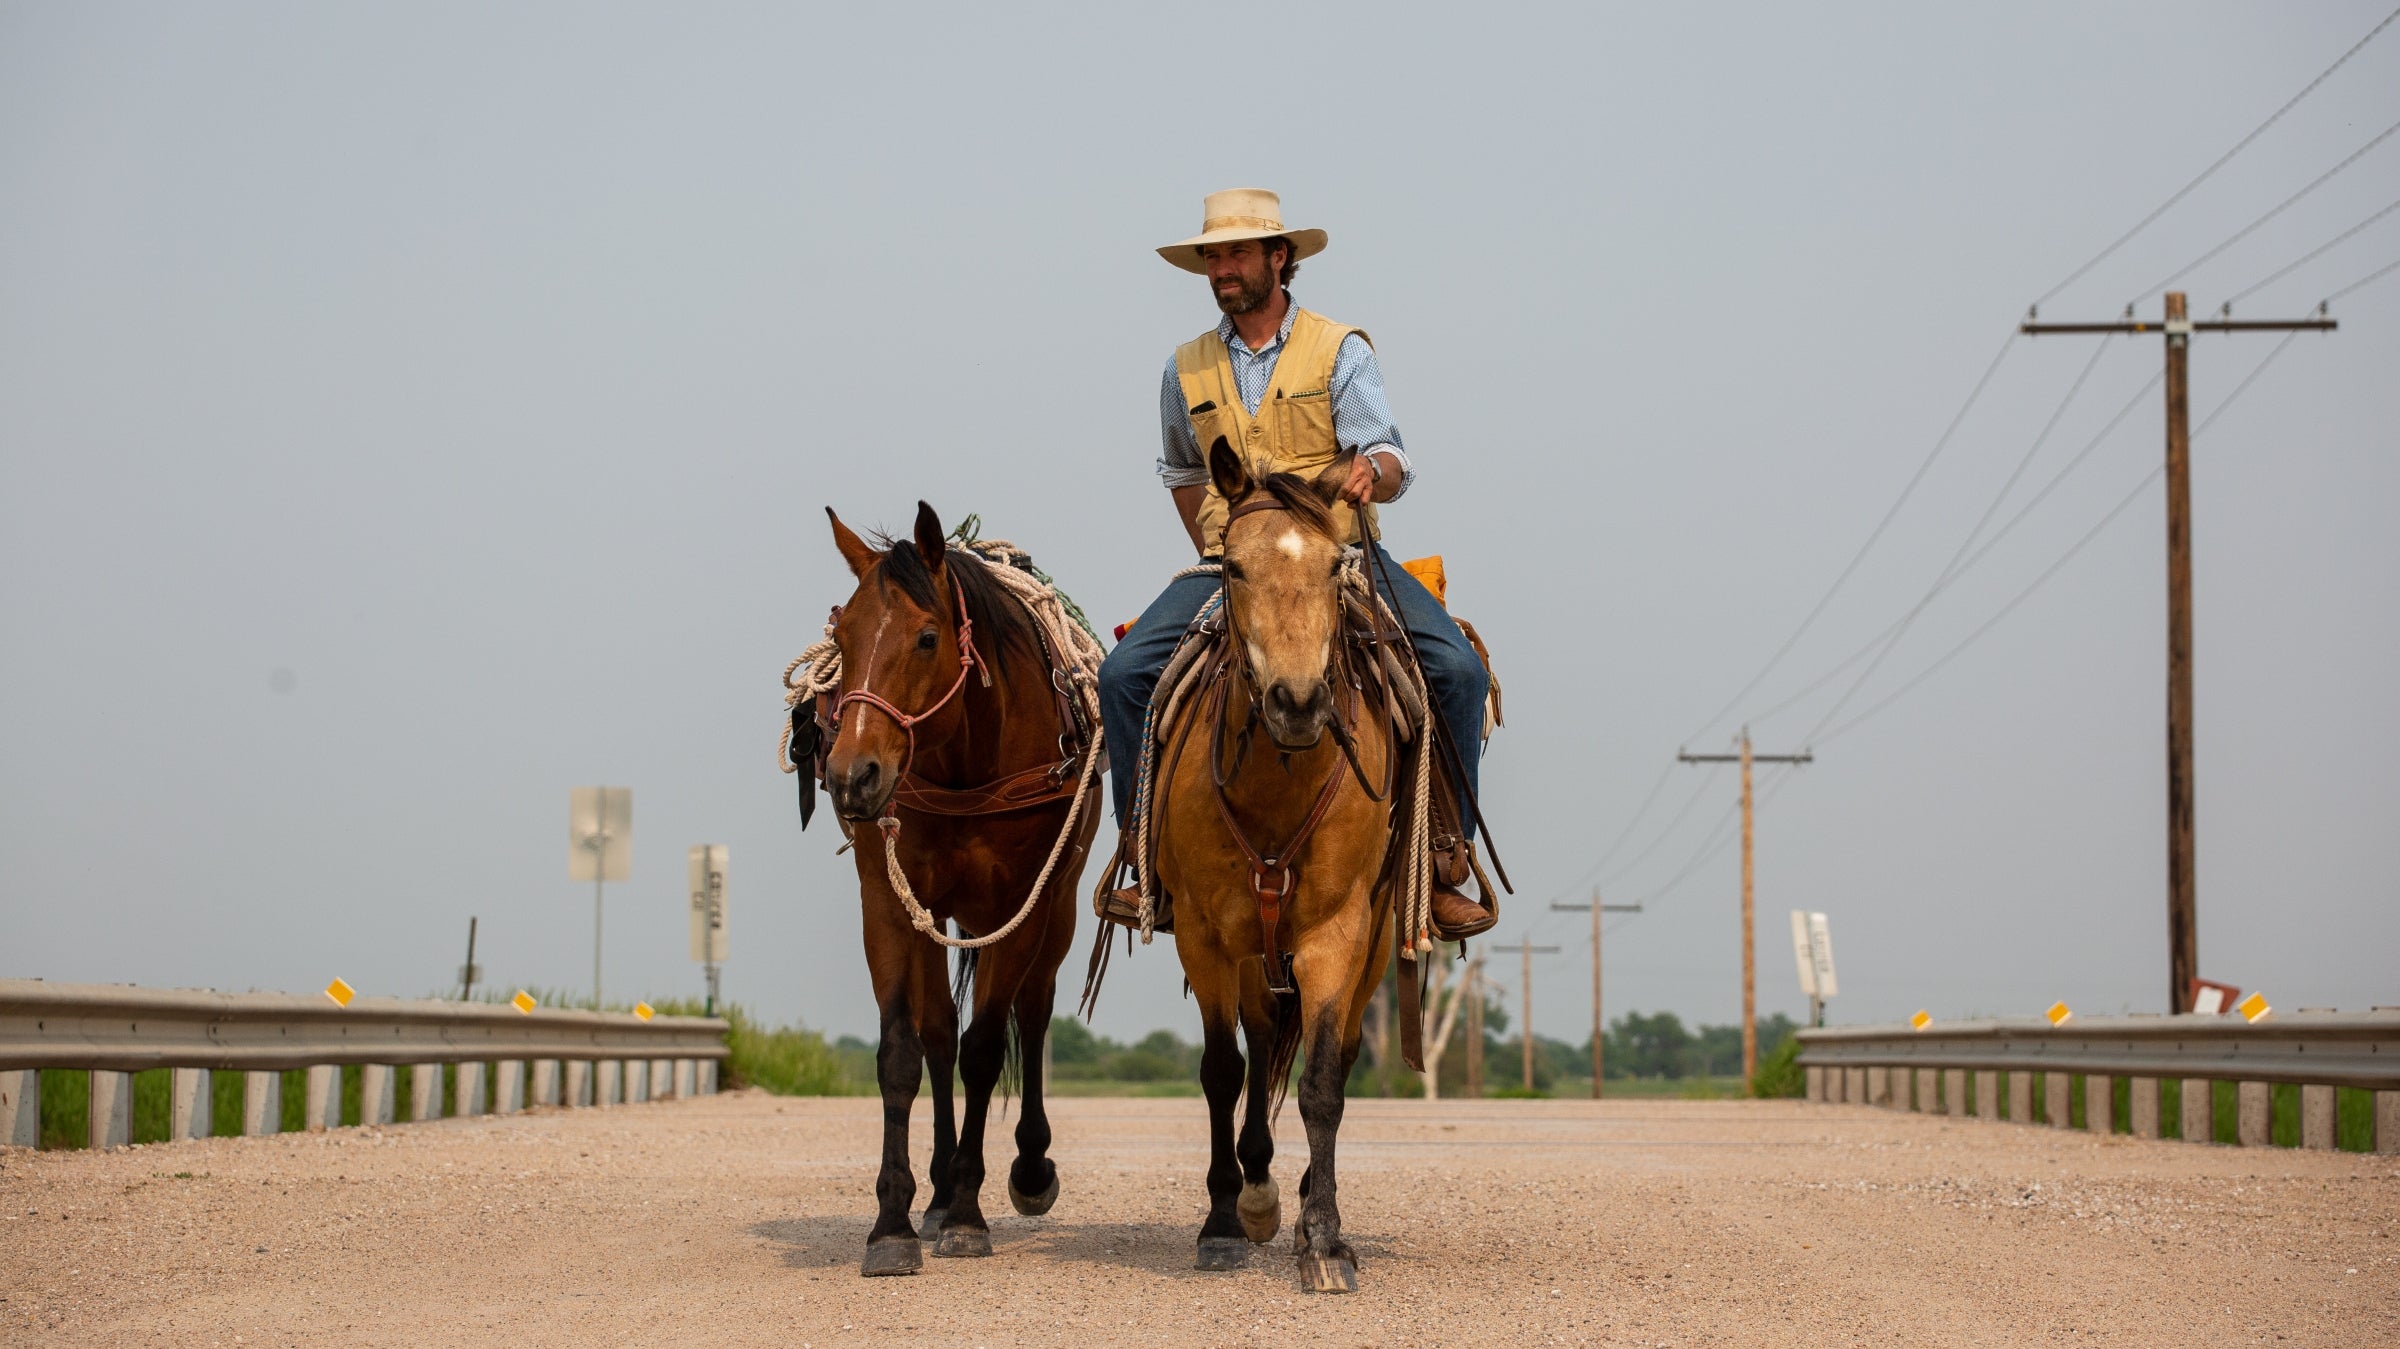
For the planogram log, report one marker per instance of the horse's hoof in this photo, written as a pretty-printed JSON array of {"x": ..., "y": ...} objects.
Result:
[
  {"x": 1034, "y": 1205},
  {"x": 1336, "y": 1272},
  {"x": 892, "y": 1255},
  {"x": 1261, "y": 1210},
  {"x": 931, "y": 1226},
  {"x": 1221, "y": 1254},
  {"x": 963, "y": 1241}
]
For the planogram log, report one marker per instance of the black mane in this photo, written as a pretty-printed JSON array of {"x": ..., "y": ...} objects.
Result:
[{"x": 1001, "y": 623}]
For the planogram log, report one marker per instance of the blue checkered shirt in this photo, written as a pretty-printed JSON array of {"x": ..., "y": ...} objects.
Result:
[{"x": 1362, "y": 415}]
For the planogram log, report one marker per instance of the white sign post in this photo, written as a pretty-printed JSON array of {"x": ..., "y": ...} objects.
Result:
[
  {"x": 599, "y": 849},
  {"x": 706, "y": 869},
  {"x": 1812, "y": 949}
]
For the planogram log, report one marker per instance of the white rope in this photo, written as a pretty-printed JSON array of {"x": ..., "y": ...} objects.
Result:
[{"x": 923, "y": 921}]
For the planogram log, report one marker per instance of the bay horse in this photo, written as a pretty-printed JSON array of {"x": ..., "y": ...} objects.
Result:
[
  {"x": 1273, "y": 854},
  {"x": 951, "y": 737}
]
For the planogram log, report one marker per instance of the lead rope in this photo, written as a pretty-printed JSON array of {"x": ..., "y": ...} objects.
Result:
[{"x": 923, "y": 921}]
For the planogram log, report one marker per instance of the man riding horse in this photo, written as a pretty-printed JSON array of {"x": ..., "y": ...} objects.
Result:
[{"x": 1289, "y": 390}]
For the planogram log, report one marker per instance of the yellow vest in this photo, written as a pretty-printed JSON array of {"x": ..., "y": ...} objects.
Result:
[{"x": 1293, "y": 429}]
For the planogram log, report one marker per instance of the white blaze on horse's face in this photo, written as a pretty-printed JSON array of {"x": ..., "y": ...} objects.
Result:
[
  {"x": 900, "y": 651},
  {"x": 1281, "y": 573}
]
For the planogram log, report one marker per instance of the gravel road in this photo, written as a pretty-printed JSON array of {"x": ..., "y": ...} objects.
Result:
[{"x": 739, "y": 1220}]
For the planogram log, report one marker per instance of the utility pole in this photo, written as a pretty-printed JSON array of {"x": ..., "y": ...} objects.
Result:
[
  {"x": 1749, "y": 889},
  {"x": 1599, "y": 1026},
  {"x": 2183, "y": 927},
  {"x": 1525, "y": 991},
  {"x": 1471, "y": 988}
]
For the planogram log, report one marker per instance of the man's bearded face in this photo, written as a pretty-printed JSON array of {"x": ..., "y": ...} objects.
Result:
[{"x": 1241, "y": 275}]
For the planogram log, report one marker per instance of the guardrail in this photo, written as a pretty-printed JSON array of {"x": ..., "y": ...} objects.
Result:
[
  {"x": 1996, "y": 1069},
  {"x": 546, "y": 1057}
]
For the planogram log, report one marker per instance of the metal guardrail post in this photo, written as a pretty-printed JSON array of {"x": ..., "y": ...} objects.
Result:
[
  {"x": 21, "y": 1108},
  {"x": 111, "y": 1106},
  {"x": 2099, "y": 1104}
]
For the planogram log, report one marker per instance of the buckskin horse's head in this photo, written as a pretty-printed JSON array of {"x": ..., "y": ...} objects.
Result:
[
  {"x": 904, "y": 665},
  {"x": 1283, "y": 593}
]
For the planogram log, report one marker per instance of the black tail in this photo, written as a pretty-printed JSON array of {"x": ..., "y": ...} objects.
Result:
[
  {"x": 962, "y": 995},
  {"x": 1286, "y": 1008}
]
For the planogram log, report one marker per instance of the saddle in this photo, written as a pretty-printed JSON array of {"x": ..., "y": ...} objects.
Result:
[{"x": 1386, "y": 680}]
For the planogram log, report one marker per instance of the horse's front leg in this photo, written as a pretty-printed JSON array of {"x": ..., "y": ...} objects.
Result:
[
  {"x": 982, "y": 1052},
  {"x": 1222, "y": 1244},
  {"x": 1327, "y": 1264},
  {"x": 937, "y": 1029},
  {"x": 1261, "y": 1204},
  {"x": 892, "y": 1246}
]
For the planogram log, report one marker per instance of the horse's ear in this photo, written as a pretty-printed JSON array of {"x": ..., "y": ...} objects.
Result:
[
  {"x": 1328, "y": 484},
  {"x": 929, "y": 537},
  {"x": 854, "y": 549},
  {"x": 1227, "y": 471}
]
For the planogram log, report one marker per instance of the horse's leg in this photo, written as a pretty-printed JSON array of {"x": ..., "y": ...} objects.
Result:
[
  {"x": 1222, "y": 1243},
  {"x": 937, "y": 1030},
  {"x": 939, "y": 1033},
  {"x": 892, "y": 1246},
  {"x": 1261, "y": 1204},
  {"x": 1033, "y": 1177},
  {"x": 982, "y": 1052},
  {"x": 1331, "y": 1007}
]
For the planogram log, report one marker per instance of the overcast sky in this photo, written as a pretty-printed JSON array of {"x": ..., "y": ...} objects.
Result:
[{"x": 411, "y": 412}]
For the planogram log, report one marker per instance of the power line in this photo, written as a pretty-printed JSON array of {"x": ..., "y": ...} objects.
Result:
[
  {"x": 1940, "y": 444},
  {"x": 1623, "y": 834},
  {"x": 1989, "y": 545},
  {"x": 2077, "y": 547},
  {"x": 2377, "y": 275},
  {"x": 2244, "y": 232},
  {"x": 1668, "y": 832},
  {"x": 2222, "y": 160},
  {"x": 2311, "y": 256},
  {"x": 1951, "y": 567}
]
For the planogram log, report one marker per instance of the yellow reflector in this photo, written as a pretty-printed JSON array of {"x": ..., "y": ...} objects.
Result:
[
  {"x": 523, "y": 1002},
  {"x": 644, "y": 1010},
  {"x": 2253, "y": 1007},
  {"x": 2058, "y": 1013},
  {"x": 340, "y": 992},
  {"x": 1921, "y": 1020}
]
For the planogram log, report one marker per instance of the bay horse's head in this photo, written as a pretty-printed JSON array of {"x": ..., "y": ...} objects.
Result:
[
  {"x": 1283, "y": 589},
  {"x": 909, "y": 649}
]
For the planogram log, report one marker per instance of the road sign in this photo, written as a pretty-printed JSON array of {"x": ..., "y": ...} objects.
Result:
[
  {"x": 523, "y": 1002},
  {"x": 705, "y": 871},
  {"x": 2253, "y": 1007},
  {"x": 1801, "y": 954},
  {"x": 2059, "y": 1012},
  {"x": 1921, "y": 1020},
  {"x": 1812, "y": 948},
  {"x": 644, "y": 1010},
  {"x": 2209, "y": 997},
  {"x": 340, "y": 992},
  {"x": 600, "y": 834}
]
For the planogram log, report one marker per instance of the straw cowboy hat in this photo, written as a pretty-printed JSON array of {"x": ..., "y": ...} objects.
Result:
[{"x": 1236, "y": 214}]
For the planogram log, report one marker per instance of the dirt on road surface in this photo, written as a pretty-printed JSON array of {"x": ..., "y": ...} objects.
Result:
[{"x": 740, "y": 1219}]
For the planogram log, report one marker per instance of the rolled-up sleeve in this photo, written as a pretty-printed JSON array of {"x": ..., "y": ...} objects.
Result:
[
  {"x": 1362, "y": 413},
  {"x": 1179, "y": 461}
]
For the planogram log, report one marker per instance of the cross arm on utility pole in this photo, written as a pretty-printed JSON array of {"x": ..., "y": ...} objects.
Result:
[
  {"x": 1803, "y": 756},
  {"x": 2319, "y": 324}
]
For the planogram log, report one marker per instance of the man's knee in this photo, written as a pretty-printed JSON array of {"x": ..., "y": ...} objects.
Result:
[
  {"x": 1120, "y": 678},
  {"x": 1453, "y": 668}
]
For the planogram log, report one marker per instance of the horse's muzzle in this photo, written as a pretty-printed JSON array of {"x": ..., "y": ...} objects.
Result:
[
  {"x": 860, "y": 786},
  {"x": 1295, "y": 712}
]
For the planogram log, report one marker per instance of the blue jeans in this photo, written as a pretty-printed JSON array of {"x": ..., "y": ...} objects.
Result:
[{"x": 1130, "y": 674}]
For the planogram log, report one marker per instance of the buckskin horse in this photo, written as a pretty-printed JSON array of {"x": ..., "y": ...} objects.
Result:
[
  {"x": 1274, "y": 854},
  {"x": 948, "y": 728}
]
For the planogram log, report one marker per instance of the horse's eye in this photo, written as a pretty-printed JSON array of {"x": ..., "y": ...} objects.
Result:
[
  {"x": 1233, "y": 570},
  {"x": 928, "y": 640},
  {"x": 1337, "y": 566}
]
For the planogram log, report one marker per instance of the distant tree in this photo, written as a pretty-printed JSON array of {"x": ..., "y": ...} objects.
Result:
[
  {"x": 1071, "y": 1041},
  {"x": 1650, "y": 1046}
]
